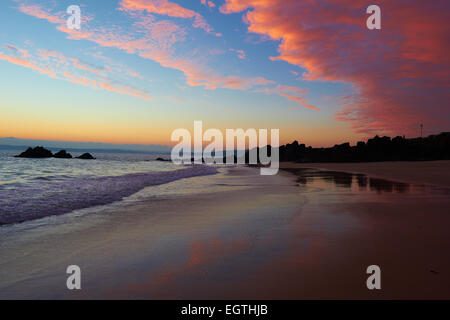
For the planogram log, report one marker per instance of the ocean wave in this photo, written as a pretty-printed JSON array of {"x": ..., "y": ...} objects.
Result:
[{"x": 47, "y": 198}]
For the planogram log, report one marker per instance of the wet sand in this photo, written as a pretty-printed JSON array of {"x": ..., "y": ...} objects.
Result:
[
  {"x": 302, "y": 234},
  {"x": 418, "y": 172}
]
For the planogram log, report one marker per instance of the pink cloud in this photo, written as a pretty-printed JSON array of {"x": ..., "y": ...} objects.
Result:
[
  {"x": 113, "y": 66},
  {"x": 208, "y": 3},
  {"x": 105, "y": 86},
  {"x": 22, "y": 52},
  {"x": 155, "y": 39},
  {"x": 167, "y": 8},
  {"x": 400, "y": 73},
  {"x": 27, "y": 64},
  {"x": 61, "y": 58},
  {"x": 41, "y": 13},
  {"x": 59, "y": 66},
  {"x": 240, "y": 53}
]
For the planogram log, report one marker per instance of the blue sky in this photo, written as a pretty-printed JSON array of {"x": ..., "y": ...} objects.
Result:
[{"x": 138, "y": 69}]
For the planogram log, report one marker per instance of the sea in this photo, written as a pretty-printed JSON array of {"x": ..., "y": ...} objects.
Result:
[{"x": 36, "y": 188}]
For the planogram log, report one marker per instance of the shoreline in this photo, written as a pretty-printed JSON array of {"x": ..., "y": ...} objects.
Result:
[{"x": 435, "y": 173}]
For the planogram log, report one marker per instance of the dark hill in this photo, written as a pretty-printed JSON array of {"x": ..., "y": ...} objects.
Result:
[{"x": 434, "y": 147}]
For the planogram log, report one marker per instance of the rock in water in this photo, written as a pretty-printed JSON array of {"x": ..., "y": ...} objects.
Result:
[
  {"x": 38, "y": 152},
  {"x": 63, "y": 155},
  {"x": 86, "y": 156}
]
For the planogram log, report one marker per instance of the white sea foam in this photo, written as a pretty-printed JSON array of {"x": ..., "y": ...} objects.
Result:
[{"x": 47, "y": 197}]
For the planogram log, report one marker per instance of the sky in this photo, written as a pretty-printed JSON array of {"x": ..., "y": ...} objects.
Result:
[{"x": 139, "y": 69}]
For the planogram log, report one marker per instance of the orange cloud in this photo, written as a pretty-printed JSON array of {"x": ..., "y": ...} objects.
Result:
[
  {"x": 292, "y": 93},
  {"x": 400, "y": 73},
  {"x": 300, "y": 100}
]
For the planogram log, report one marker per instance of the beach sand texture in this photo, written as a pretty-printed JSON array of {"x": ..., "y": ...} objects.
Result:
[{"x": 299, "y": 235}]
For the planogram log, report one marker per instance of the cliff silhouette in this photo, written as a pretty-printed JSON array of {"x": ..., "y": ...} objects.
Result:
[{"x": 433, "y": 147}]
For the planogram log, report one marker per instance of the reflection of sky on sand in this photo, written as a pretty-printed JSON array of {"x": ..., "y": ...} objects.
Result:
[
  {"x": 246, "y": 235},
  {"x": 241, "y": 235},
  {"x": 355, "y": 182},
  {"x": 318, "y": 250},
  {"x": 344, "y": 184},
  {"x": 221, "y": 250}
]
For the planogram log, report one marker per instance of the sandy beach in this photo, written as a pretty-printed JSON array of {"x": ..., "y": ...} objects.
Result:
[
  {"x": 418, "y": 172},
  {"x": 298, "y": 235}
]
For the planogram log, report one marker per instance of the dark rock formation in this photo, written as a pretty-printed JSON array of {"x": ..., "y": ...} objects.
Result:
[
  {"x": 63, "y": 155},
  {"x": 38, "y": 152},
  {"x": 86, "y": 156},
  {"x": 162, "y": 159},
  {"x": 41, "y": 152}
]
